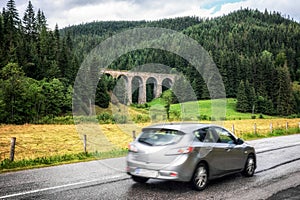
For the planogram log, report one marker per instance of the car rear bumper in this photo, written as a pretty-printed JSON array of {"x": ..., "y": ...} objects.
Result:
[{"x": 178, "y": 170}]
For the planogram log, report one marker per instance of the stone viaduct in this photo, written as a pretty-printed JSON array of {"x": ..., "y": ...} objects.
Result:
[{"x": 157, "y": 79}]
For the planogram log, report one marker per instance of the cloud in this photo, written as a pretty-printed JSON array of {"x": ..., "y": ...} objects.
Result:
[
  {"x": 285, "y": 7},
  {"x": 70, "y": 12}
]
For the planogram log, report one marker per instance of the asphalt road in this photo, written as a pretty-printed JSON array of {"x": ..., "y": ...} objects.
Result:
[{"x": 277, "y": 177}]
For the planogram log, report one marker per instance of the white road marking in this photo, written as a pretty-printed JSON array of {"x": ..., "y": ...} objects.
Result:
[{"x": 61, "y": 186}]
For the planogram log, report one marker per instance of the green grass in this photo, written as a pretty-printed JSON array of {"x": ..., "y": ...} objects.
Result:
[
  {"x": 7, "y": 165},
  {"x": 275, "y": 133},
  {"x": 202, "y": 110}
]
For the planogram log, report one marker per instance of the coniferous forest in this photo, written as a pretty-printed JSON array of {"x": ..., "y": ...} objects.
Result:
[{"x": 257, "y": 54}]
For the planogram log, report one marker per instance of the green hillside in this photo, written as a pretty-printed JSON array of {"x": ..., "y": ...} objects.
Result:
[
  {"x": 204, "y": 111},
  {"x": 257, "y": 54}
]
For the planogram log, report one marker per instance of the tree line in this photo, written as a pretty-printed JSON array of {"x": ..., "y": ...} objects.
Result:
[{"x": 257, "y": 54}]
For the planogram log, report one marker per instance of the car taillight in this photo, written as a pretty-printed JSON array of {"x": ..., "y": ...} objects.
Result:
[
  {"x": 132, "y": 147},
  {"x": 178, "y": 151},
  {"x": 185, "y": 150}
]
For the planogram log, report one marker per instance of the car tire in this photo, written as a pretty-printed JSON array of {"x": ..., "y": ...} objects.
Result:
[
  {"x": 139, "y": 179},
  {"x": 200, "y": 177},
  {"x": 249, "y": 166}
]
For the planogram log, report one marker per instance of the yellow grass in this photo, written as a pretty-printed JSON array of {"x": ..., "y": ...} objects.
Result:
[
  {"x": 262, "y": 125},
  {"x": 45, "y": 140},
  {"x": 39, "y": 140}
]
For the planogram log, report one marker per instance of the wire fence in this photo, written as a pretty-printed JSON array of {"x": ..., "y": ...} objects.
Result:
[
  {"x": 263, "y": 129},
  {"x": 25, "y": 148}
]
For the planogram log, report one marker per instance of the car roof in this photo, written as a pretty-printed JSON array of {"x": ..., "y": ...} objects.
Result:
[{"x": 179, "y": 126}]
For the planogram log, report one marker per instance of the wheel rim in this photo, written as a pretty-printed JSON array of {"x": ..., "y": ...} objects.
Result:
[
  {"x": 201, "y": 177},
  {"x": 250, "y": 166}
]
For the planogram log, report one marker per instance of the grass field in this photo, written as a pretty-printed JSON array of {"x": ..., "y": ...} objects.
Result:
[
  {"x": 35, "y": 141},
  {"x": 188, "y": 111},
  {"x": 54, "y": 144}
]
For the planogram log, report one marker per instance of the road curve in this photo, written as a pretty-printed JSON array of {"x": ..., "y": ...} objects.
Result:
[{"x": 278, "y": 173}]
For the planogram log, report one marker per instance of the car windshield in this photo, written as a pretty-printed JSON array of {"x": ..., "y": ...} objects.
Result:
[{"x": 159, "y": 137}]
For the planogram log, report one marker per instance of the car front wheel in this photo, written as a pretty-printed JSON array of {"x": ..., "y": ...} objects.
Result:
[
  {"x": 200, "y": 178},
  {"x": 249, "y": 166},
  {"x": 139, "y": 179}
]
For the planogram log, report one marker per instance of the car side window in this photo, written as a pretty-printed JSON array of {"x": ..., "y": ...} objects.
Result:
[
  {"x": 224, "y": 136},
  {"x": 206, "y": 135},
  {"x": 200, "y": 134}
]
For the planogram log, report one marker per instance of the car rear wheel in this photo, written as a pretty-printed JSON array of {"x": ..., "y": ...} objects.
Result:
[
  {"x": 249, "y": 166},
  {"x": 139, "y": 179},
  {"x": 200, "y": 178}
]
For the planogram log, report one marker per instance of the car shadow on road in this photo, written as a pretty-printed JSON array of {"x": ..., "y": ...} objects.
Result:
[{"x": 160, "y": 189}]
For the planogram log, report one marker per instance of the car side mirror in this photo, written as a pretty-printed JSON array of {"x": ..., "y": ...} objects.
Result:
[{"x": 239, "y": 141}]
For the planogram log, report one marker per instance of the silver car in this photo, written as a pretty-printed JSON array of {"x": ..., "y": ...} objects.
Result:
[{"x": 189, "y": 152}]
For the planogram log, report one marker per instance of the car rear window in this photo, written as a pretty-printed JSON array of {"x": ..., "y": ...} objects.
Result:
[{"x": 159, "y": 137}]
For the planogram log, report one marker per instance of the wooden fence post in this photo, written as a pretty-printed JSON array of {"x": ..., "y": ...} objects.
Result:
[
  {"x": 286, "y": 126},
  {"x": 271, "y": 127},
  {"x": 255, "y": 129},
  {"x": 233, "y": 131},
  {"x": 12, "y": 148},
  {"x": 84, "y": 143},
  {"x": 133, "y": 135}
]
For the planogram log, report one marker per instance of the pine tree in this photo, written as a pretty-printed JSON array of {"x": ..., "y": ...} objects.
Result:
[
  {"x": 250, "y": 93},
  {"x": 242, "y": 100},
  {"x": 285, "y": 99},
  {"x": 11, "y": 31},
  {"x": 102, "y": 98},
  {"x": 30, "y": 22},
  {"x": 2, "y": 43},
  {"x": 41, "y": 21},
  {"x": 13, "y": 14}
]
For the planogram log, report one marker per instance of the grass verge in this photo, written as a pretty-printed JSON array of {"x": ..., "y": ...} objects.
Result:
[{"x": 8, "y": 166}]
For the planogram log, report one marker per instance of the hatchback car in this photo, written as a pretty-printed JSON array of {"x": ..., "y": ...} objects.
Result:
[{"x": 189, "y": 152}]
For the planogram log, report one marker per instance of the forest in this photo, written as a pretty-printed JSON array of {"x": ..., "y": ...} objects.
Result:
[{"x": 257, "y": 54}]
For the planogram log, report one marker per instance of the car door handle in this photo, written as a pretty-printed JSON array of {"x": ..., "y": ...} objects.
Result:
[{"x": 229, "y": 148}]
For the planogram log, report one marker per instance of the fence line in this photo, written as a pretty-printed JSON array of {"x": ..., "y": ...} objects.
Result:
[
  {"x": 257, "y": 130},
  {"x": 88, "y": 143}
]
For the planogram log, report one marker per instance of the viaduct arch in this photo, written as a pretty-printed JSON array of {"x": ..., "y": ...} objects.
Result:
[{"x": 143, "y": 78}]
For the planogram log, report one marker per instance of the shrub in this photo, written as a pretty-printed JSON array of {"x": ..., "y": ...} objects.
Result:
[
  {"x": 141, "y": 118},
  {"x": 261, "y": 116},
  {"x": 120, "y": 119},
  {"x": 105, "y": 118}
]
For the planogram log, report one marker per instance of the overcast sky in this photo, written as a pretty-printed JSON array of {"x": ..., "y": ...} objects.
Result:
[{"x": 70, "y": 12}]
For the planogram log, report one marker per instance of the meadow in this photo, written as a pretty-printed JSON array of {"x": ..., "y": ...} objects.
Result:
[
  {"x": 35, "y": 141},
  {"x": 59, "y": 143}
]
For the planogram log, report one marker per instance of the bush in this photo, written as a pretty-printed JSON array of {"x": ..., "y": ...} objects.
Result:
[
  {"x": 105, "y": 118},
  {"x": 141, "y": 118},
  {"x": 120, "y": 119},
  {"x": 293, "y": 116},
  {"x": 261, "y": 116}
]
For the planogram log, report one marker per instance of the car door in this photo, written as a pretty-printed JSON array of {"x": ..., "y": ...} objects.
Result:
[{"x": 227, "y": 155}]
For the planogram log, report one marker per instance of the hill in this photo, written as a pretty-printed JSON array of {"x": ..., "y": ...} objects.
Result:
[
  {"x": 257, "y": 51},
  {"x": 257, "y": 54}
]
